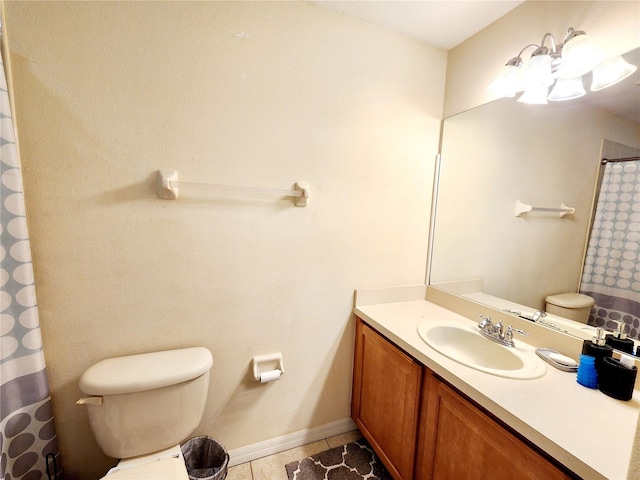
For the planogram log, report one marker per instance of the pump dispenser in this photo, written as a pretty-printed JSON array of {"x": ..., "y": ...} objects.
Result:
[
  {"x": 597, "y": 348},
  {"x": 619, "y": 340},
  {"x": 618, "y": 377}
]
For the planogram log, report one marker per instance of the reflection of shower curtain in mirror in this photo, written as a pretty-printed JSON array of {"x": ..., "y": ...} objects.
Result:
[
  {"x": 28, "y": 442},
  {"x": 612, "y": 268}
]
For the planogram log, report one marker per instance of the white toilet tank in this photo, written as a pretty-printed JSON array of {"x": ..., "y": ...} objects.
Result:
[
  {"x": 574, "y": 306},
  {"x": 140, "y": 404}
]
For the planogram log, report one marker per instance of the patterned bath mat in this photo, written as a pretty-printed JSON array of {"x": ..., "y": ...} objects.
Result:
[{"x": 353, "y": 461}]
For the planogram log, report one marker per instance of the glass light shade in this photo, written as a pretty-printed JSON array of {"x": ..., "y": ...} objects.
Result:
[
  {"x": 611, "y": 71},
  {"x": 535, "y": 96},
  {"x": 537, "y": 72},
  {"x": 567, "y": 89},
  {"x": 508, "y": 82},
  {"x": 579, "y": 56}
]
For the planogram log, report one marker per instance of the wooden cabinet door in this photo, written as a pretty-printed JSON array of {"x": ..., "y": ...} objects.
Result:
[
  {"x": 463, "y": 442},
  {"x": 385, "y": 401}
]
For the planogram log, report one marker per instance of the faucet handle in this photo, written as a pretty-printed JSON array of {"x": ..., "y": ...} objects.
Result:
[
  {"x": 517, "y": 330},
  {"x": 508, "y": 335},
  {"x": 485, "y": 322}
]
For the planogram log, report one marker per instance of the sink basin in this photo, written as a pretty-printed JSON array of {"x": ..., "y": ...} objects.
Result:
[{"x": 464, "y": 344}]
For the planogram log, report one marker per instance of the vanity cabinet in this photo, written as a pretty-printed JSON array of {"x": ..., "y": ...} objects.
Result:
[
  {"x": 424, "y": 429},
  {"x": 386, "y": 399},
  {"x": 459, "y": 440}
]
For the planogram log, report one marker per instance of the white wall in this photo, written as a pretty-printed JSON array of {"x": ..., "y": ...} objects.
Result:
[{"x": 248, "y": 93}]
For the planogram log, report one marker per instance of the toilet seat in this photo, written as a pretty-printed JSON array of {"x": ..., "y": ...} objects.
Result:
[
  {"x": 165, "y": 465},
  {"x": 166, "y": 469}
]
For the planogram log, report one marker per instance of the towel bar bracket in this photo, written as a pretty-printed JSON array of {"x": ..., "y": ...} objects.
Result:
[
  {"x": 165, "y": 189},
  {"x": 303, "y": 188}
]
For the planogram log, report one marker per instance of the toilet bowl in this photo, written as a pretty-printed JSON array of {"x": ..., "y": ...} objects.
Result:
[
  {"x": 166, "y": 465},
  {"x": 574, "y": 306},
  {"x": 142, "y": 406}
]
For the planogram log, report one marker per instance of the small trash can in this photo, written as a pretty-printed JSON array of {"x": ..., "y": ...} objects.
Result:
[{"x": 205, "y": 458}]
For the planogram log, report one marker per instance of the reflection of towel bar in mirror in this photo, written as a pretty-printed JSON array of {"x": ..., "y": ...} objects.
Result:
[
  {"x": 522, "y": 208},
  {"x": 168, "y": 188}
]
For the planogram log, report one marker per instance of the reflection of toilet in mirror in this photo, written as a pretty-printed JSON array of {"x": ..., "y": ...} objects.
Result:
[{"x": 574, "y": 306}]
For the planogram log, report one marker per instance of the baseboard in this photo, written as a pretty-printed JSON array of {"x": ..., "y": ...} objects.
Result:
[{"x": 292, "y": 440}]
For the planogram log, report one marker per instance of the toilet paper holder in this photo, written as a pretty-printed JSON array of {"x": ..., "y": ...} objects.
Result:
[{"x": 267, "y": 368}]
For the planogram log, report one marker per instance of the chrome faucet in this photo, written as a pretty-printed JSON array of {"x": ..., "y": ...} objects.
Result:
[
  {"x": 538, "y": 317},
  {"x": 497, "y": 332}
]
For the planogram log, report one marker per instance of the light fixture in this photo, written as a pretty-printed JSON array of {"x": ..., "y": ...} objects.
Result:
[
  {"x": 579, "y": 55},
  {"x": 509, "y": 81},
  {"x": 567, "y": 89},
  {"x": 537, "y": 71},
  {"x": 537, "y": 77},
  {"x": 611, "y": 71},
  {"x": 560, "y": 64},
  {"x": 535, "y": 96}
]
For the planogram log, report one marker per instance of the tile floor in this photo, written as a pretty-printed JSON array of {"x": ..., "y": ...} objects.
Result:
[{"x": 272, "y": 467}]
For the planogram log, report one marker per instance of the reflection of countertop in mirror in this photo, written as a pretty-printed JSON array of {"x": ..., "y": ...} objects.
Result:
[
  {"x": 564, "y": 325},
  {"x": 587, "y": 431},
  {"x": 568, "y": 326}
]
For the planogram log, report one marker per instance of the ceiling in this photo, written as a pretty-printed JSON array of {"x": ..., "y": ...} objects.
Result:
[{"x": 440, "y": 23}]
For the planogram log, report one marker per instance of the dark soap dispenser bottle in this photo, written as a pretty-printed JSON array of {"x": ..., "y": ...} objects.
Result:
[
  {"x": 597, "y": 348},
  {"x": 619, "y": 340}
]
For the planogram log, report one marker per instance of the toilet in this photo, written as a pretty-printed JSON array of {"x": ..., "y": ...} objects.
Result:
[
  {"x": 142, "y": 406},
  {"x": 574, "y": 306}
]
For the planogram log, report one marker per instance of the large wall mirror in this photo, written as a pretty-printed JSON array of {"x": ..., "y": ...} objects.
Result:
[{"x": 505, "y": 152}]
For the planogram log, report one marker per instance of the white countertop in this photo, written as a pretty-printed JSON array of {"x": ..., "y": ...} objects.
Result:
[{"x": 587, "y": 431}]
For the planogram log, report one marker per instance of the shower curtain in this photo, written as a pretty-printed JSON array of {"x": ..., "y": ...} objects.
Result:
[
  {"x": 612, "y": 264},
  {"x": 28, "y": 442}
]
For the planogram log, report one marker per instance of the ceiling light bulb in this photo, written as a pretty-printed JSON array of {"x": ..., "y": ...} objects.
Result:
[
  {"x": 535, "y": 96},
  {"x": 567, "y": 89},
  {"x": 611, "y": 71},
  {"x": 537, "y": 72},
  {"x": 509, "y": 80},
  {"x": 579, "y": 56}
]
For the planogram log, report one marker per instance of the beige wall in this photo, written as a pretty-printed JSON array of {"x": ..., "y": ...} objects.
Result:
[
  {"x": 473, "y": 64},
  {"x": 108, "y": 93}
]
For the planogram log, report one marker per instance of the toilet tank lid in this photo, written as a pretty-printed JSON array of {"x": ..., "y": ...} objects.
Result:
[
  {"x": 146, "y": 371},
  {"x": 570, "y": 300}
]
